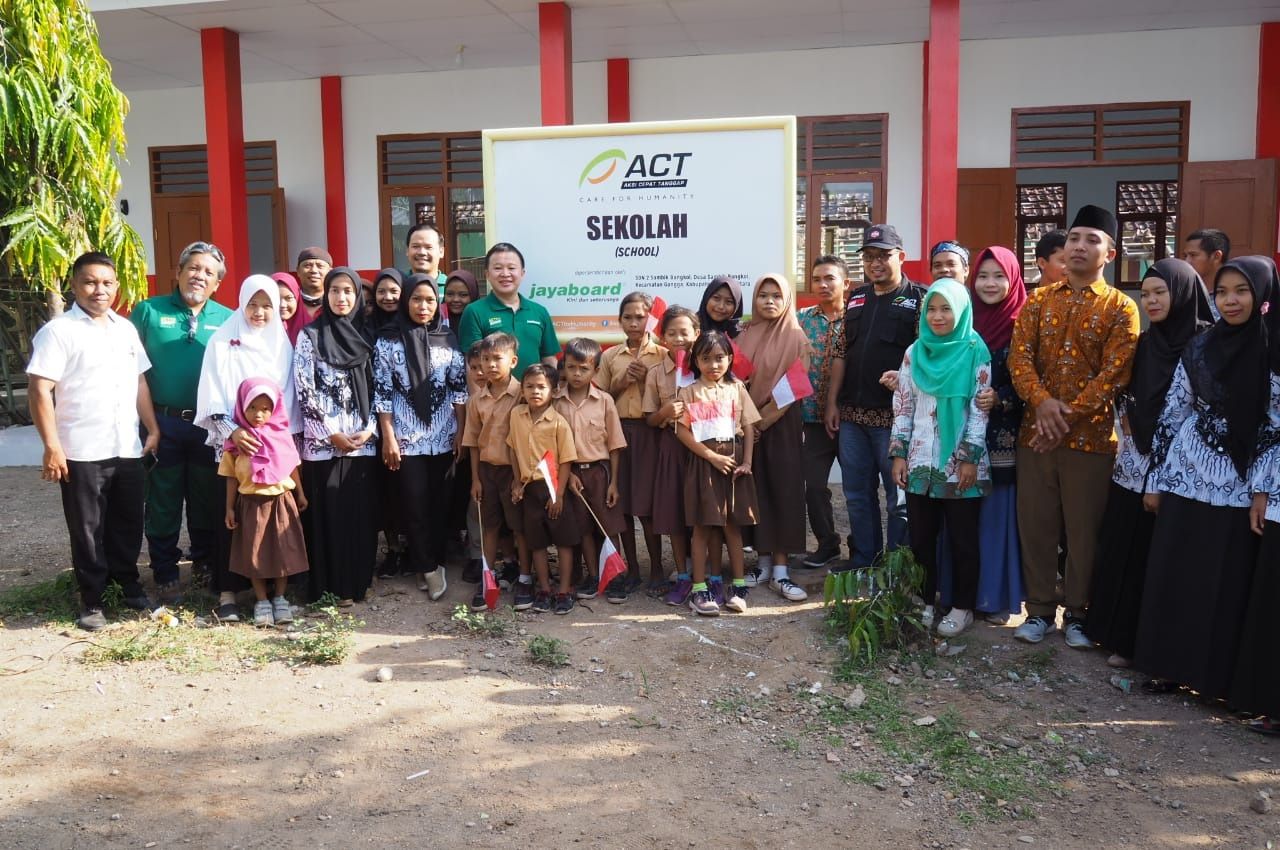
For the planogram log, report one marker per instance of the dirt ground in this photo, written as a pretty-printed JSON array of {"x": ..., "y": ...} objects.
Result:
[{"x": 662, "y": 732}]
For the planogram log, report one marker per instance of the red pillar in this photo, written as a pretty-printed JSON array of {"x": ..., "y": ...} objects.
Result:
[
  {"x": 941, "y": 122},
  {"x": 555, "y": 56},
  {"x": 224, "y": 138},
  {"x": 1269, "y": 91},
  {"x": 335, "y": 172},
  {"x": 619, "y": 90}
]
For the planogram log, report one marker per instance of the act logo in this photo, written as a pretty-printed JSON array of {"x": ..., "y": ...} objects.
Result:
[{"x": 612, "y": 157}]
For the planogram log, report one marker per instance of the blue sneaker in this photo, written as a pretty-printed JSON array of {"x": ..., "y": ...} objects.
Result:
[{"x": 679, "y": 593}]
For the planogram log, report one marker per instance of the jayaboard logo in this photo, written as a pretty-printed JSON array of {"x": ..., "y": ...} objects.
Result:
[{"x": 612, "y": 156}]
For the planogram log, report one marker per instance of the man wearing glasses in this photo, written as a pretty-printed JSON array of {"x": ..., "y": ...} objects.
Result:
[
  {"x": 175, "y": 328},
  {"x": 882, "y": 320}
]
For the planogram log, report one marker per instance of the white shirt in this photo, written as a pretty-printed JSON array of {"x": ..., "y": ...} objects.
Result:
[{"x": 95, "y": 366}]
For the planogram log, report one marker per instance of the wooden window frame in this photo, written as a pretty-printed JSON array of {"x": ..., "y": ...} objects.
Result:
[
  {"x": 1160, "y": 237},
  {"x": 444, "y": 214},
  {"x": 1095, "y": 143}
]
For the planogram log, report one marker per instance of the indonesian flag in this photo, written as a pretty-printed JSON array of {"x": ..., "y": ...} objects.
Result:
[
  {"x": 491, "y": 591},
  {"x": 656, "y": 313},
  {"x": 793, "y": 386},
  {"x": 712, "y": 420},
  {"x": 611, "y": 564},
  {"x": 684, "y": 376},
  {"x": 550, "y": 473},
  {"x": 742, "y": 366}
]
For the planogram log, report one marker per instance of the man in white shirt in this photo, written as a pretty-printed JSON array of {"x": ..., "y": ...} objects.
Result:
[{"x": 93, "y": 360}]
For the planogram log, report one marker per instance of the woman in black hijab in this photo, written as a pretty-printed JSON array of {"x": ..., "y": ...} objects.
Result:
[
  {"x": 1177, "y": 306},
  {"x": 420, "y": 389},
  {"x": 1205, "y": 457},
  {"x": 387, "y": 285},
  {"x": 721, "y": 307},
  {"x": 333, "y": 373}
]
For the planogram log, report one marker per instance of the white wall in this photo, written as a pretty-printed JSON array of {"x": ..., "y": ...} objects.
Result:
[{"x": 1215, "y": 69}]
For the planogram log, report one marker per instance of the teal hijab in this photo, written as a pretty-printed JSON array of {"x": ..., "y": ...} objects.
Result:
[{"x": 944, "y": 366}]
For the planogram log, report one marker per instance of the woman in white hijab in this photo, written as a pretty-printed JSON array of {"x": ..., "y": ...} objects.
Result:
[{"x": 251, "y": 344}]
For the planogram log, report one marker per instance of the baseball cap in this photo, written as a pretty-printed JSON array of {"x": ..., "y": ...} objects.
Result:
[{"x": 881, "y": 236}]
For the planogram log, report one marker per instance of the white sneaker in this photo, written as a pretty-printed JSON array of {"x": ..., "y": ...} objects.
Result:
[
  {"x": 1073, "y": 633},
  {"x": 789, "y": 590},
  {"x": 1034, "y": 629},
  {"x": 955, "y": 622},
  {"x": 262, "y": 614},
  {"x": 281, "y": 610},
  {"x": 436, "y": 583},
  {"x": 926, "y": 617}
]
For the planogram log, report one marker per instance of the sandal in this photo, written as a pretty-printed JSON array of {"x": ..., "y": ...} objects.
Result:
[
  {"x": 1264, "y": 725},
  {"x": 659, "y": 590}
]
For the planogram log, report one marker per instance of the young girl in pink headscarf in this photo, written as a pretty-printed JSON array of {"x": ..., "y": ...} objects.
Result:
[{"x": 262, "y": 510}]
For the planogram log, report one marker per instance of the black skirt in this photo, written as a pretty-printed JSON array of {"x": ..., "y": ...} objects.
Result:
[
  {"x": 1198, "y": 580},
  {"x": 341, "y": 525},
  {"x": 1255, "y": 686},
  {"x": 1115, "y": 598}
]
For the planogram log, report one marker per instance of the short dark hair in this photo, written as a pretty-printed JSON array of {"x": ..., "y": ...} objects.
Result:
[
  {"x": 500, "y": 341},
  {"x": 632, "y": 297},
  {"x": 709, "y": 342},
  {"x": 503, "y": 248},
  {"x": 549, "y": 372},
  {"x": 477, "y": 348},
  {"x": 1050, "y": 242},
  {"x": 91, "y": 258},
  {"x": 676, "y": 312},
  {"x": 831, "y": 260},
  {"x": 584, "y": 349},
  {"x": 408, "y": 237},
  {"x": 1212, "y": 239}
]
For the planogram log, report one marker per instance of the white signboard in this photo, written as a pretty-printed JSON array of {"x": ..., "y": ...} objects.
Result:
[{"x": 601, "y": 210}]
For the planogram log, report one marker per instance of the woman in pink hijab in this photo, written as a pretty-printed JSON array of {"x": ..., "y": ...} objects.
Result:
[{"x": 290, "y": 296}]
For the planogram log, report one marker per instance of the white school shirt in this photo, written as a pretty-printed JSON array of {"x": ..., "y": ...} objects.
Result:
[{"x": 95, "y": 366}]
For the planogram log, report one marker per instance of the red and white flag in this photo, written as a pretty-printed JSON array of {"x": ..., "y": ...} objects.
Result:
[
  {"x": 656, "y": 312},
  {"x": 742, "y": 365},
  {"x": 793, "y": 386},
  {"x": 611, "y": 564},
  {"x": 684, "y": 374},
  {"x": 712, "y": 420},
  {"x": 491, "y": 591},
  {"x": 550, "y": 473}
]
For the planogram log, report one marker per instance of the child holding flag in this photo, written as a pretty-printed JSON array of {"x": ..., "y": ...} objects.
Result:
[
  {"x": 662, "y": 409},
  {"x": 718, "y": 428},
  {"x": 599, "y": 443},
  {"x": 622, "y": 372},
  {"x": 778, "y": 350},
  {"x": 938, "y": 445},
  {"x": 542, "y": 453}
]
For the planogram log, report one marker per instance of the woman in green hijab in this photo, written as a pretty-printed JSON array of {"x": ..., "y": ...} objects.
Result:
[{"x": 938, "y": 445}]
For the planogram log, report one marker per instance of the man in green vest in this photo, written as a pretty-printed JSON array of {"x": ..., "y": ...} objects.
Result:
[{"x": 175, "y": 328}]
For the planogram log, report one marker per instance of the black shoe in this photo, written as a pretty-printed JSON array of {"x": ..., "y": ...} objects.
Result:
[
  {"x": 616, "y": 592},
  {"x": 473, "y": 571},
  {"x": 524, "y": 596},
  {"x": 541, "y": 602},
  {"x": 508, "y": 574},
  {"x": 588, "y": 588},
  {"x": 390, "y": 566},
  {"x": 139, "y": 602},
  {"x": 92, "y": 620},
  {"x": 826, "y": 553},
  {"x": 564, "y": 603},
  {"x": 478, "y": 603},
  {"x": 229, "y": 612}
]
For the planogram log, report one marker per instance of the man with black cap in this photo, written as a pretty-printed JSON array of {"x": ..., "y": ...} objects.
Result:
[
  {"x": 1072, "y": 353},
  {"x": 313, "y": 265},
  {"x": 882, "y": 320}
]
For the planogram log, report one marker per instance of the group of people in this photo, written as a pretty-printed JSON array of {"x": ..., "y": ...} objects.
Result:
[{"x": 1033, "y": 446}]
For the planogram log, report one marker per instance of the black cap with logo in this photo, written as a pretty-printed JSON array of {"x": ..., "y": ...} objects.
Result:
[{"x": 881, "y": 236}]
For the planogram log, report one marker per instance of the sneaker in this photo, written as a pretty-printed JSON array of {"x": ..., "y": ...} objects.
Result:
[
  {"x": 437, "y": 584},
  {"x": 717, "y": 591},
  {"x": 756, "y": 576},
  {"x": 281, "y": 610},
  {"x": 478, "y": 603},
  {"x": 262, "y": 613},
  {"x": 1000, "y": 618},
  {"x": 473, "y": 572},
  {"x": 229, "y": 612},
  {"x": 616, "y": 592},
  {"x": 136, "y": 598},
  {"x": 1074, "y": 634},
  {"x": 789, "y": 590},
  {"x": 564, "y": 603},
  {"x": 588, "y": 588},
  {"x": 92, "y": 620},
  {"x": 1033, "y": 630},
  {"x": 955, "y": 622},
  {"x": 524, "y": 596},
  {"x": 824, "y": 555},
  {"x": 679, "y": 592},
  {"x": 737, "y": 601},
  {"x": 390, "y": 566},
  {"x": 702, "y": 603},
  {"x": 508, "y": 574},
  {"x": 926, "y": 617},
  {"x": 541, "y": 602}
]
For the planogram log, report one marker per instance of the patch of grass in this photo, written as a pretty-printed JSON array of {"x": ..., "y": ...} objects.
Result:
[
  {"x": 494, "y": 624},
  {"x": 791, "y": 745},
  {"x": 733, "y": 705},
  {"x": 327, "y": 600},
  {"x": 324, "y": 640},
  {"x": 862, "y": 777},
  {"x": 548, "y": 651},
  {"x": 56, "y": 599}
]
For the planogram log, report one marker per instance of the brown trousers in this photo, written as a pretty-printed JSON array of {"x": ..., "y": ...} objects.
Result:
[{"x": 1064, "y": 488}]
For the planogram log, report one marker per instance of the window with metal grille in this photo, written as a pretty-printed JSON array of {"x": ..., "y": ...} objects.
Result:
[
  {"x": 1041, "y": 208},
  {"x": 1110, "y": 133},
  {"x": 184, "y": 169},
  {"x": 1147, "y": 213}
]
